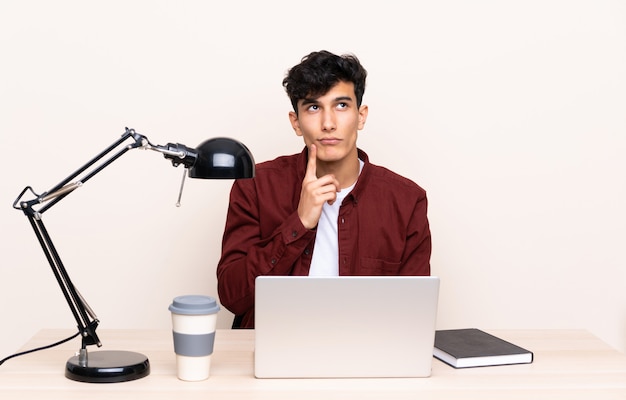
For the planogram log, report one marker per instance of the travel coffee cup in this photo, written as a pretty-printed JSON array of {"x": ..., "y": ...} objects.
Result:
[{"x": 193, "y": 324}]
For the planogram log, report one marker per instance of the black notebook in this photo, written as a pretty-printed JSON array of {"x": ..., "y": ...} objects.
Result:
[{"x": 463, "y": 348}]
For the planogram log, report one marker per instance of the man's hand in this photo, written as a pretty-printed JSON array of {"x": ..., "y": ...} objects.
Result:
[{"x": 315, "y": 192}]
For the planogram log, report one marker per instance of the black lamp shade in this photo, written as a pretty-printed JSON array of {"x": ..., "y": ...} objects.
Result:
[{"x": 222, "y": 158}]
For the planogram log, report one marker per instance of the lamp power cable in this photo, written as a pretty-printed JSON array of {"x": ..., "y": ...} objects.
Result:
[{"x": 39, "y": 348}]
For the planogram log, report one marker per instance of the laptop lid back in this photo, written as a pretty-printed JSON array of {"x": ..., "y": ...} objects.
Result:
[{"x": 344, "y": 327}]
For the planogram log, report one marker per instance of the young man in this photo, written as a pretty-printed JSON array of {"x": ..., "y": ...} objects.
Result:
[{"x": 327, "y": 210}]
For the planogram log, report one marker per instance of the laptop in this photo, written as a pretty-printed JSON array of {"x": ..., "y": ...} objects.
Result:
[{"x": 345, "y": 327}]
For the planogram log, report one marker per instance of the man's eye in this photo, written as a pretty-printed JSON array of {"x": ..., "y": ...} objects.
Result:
[
  {"x": 313, "y": 107},
  {"x": 342, "y": 105}
]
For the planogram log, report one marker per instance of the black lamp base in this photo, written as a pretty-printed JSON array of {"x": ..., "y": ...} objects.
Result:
[{"x": 108, "y": 366}]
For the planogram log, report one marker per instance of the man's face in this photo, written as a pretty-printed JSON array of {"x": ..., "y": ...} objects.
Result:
[{"x": 331, "y": 122}]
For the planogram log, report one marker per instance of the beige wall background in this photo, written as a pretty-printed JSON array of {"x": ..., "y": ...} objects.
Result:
[{"x": 510, "y": 113}]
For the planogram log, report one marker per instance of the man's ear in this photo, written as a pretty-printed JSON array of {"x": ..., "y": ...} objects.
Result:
[
  {"x": 363, "y": 110},
  {"x": 295, "y": 124}
]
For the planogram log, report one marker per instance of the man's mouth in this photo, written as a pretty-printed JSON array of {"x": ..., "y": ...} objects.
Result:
[{"x": 329, "y": 141}]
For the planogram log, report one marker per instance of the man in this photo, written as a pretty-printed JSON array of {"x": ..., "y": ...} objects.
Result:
[{"x": 327, "y": 210}]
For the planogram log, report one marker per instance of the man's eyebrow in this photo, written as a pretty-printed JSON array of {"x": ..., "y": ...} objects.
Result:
[
  {"x": 311, "y": 100},
  {"x": 343, "y": 98}
]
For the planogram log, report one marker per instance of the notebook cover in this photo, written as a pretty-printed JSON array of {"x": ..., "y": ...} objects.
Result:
[{"x": 471, "y": 344}]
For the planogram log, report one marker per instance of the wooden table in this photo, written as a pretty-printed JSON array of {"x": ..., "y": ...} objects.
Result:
[{"x": 569, "y": 364}]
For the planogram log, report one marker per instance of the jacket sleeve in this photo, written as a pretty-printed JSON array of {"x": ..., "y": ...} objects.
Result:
[
  {"x": 246, "y": 254},
  {"x": 416, "y": 259}
]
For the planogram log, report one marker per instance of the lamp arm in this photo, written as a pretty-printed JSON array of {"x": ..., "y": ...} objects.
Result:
[
  {"x": 85, "y": 318},
  {"x": 63, "y": 188}
]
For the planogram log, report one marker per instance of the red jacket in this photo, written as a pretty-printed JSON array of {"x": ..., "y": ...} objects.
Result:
[{"x": 382, "y": 227}]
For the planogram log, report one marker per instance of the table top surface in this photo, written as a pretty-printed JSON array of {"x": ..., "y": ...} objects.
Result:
[{"x": 568, "y": 364}]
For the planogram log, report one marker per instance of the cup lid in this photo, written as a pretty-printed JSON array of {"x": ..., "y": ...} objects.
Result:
[{"x": 194, "y": 305}]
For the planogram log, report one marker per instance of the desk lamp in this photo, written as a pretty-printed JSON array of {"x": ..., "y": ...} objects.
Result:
[{"x": 217, "y": 158}]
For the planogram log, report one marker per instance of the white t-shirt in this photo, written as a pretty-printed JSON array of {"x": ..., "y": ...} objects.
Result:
[{"x": 325, "y": 261}]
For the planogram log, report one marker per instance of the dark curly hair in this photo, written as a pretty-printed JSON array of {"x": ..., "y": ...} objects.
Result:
[{"x": 319, "y": 71}]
